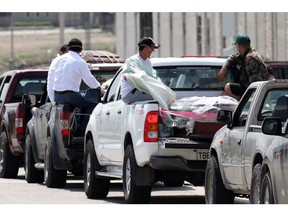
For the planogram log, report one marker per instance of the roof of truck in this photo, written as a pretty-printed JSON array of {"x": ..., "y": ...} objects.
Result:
[{"x": 170, "y": 61}]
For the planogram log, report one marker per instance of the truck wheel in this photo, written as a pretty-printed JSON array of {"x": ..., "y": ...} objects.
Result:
[
  {"x": 32, "y": 175},
  {"x": 53, "y": 178},
  {"x": 255, "y": 184},
  {"x": 9, "y": 164},
  {"x": 95, "y": 187},
  {"x": 266, "y": 191},
  {"x": 132, "y": 192},
  {"x": 215, "y": 191}
]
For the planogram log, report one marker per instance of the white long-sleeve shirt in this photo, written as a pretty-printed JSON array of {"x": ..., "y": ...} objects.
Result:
[
  {"x": 50, "y": 79},
  {"x": 70, "y": 70},
  {"x": 126, "y": 86}
]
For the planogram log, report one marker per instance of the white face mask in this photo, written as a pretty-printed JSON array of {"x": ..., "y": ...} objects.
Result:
[{"x": 152, "y": 54}]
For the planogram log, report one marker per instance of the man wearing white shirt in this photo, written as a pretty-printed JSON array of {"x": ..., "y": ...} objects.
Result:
[
  {"x": 71, "y": 69},
  {"x": 51, "y": 73},
  {"x": 141, "y": 61}
]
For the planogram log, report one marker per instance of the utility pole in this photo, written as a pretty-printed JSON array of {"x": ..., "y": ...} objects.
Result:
[
  {"x": 61, "y": 28},
  {"x": 88, "y": 26},
  {"x": 11, "y": 62}
]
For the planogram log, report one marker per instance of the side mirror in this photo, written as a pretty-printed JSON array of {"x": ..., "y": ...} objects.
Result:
[
  {"x": 272, "y": 126},
  {"x": 224, "y": 116},
  {"x": 29, "y": 100},
  {"x": 93, "y": 95}
]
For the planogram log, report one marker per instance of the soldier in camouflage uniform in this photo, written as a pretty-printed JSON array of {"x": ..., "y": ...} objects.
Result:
[{"x": 250, "y": 64}]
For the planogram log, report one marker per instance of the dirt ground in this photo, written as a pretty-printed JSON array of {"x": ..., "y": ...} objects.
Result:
[{"x": 38, "y": 47}]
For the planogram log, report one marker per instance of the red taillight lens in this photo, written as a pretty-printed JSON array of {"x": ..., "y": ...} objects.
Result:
[
  {"x": 19, "y": 122},
  {"x": 65, "y": 123},
  {"x": 151, "y": 127}
]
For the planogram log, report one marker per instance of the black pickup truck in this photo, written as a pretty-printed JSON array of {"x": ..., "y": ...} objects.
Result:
[
  {"x": 14, "y": 116},
  {"x": 53, "y": 146}
]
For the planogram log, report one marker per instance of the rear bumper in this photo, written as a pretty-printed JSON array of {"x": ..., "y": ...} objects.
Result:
[{"x": 176, "y": 163}]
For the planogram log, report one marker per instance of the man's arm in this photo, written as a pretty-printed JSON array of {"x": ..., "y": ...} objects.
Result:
[
  {"x": 87, "y": 77},
  {"x": 231, "y": 60}
]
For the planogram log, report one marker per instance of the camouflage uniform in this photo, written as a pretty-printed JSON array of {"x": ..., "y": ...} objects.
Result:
[{"x": 251, "y": 67}]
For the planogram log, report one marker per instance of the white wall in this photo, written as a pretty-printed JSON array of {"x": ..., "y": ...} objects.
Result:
[{"x": 177, "y": 33}]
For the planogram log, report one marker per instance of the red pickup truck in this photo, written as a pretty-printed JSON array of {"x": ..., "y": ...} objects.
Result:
[{"x": 13, "y": 116}]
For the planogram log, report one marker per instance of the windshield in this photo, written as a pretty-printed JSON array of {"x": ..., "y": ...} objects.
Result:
[{"x": 192, "y": 77}]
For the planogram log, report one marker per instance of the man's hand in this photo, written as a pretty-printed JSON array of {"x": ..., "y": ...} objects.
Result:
[{"x": 221, "y": 75}]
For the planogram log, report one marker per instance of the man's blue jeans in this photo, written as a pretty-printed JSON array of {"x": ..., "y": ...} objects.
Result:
[{"x": 76, "y": 99}]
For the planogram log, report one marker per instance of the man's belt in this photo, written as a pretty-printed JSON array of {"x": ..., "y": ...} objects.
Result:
[{"x": 64, "y": 92}]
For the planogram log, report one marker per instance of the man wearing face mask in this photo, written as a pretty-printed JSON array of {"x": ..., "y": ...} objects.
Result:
[
  {"x": 251, "y": 66},
  {"x": 138, "y": 62}
]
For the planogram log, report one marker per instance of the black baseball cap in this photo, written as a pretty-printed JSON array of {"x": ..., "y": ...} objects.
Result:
[
  {"x": 75, "y": 42},
  {"x": 148, "y": 41}
]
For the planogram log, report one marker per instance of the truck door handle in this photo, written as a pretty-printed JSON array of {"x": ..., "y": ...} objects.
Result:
[
  {"x": 107, "y": 113},
  {"x": 119, "y": 112},
  {"x": 239, "y": 142}
]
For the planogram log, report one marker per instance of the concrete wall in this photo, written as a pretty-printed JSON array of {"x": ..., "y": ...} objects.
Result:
[{"x": 177, "y": 33}]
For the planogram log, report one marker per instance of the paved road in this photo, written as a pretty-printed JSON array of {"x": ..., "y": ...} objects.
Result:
[{"x": 18, "y": 191}]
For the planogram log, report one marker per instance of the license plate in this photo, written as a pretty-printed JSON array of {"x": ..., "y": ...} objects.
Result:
[{"x": 202, "y": 154}]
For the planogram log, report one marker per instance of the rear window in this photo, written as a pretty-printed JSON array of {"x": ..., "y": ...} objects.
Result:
[
  {"x": 103, "y": 76},
  {"x": 193, "y": 77},
  {"x": 29, "y": 85}
]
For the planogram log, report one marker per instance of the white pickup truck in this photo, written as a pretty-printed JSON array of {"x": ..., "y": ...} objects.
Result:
[
  {"x": 238, "y": 149},
  {"x": 130, "y": 142}
]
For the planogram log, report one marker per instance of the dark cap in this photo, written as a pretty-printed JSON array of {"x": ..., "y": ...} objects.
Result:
[
  {"x": 243, "y": 39},
  {"x": 75, "y": 43},
  {"x": 64, "y": 48},
  {"x": 148, "y": 41}
]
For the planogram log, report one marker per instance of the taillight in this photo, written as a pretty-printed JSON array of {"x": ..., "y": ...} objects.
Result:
[
  {"x": 19, "y": 122},
  {"x": 151, "y": 127},
  {"x": 65, "y": 123}
]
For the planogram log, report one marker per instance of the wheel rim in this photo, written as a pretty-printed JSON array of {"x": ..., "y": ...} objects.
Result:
[
  {"x": 209, "y": 188},
  {"x": 46, "y": 162},
  {"x": 266, "y": 195},
  {"x": 88, "y": 170},
  {"x": 2, "y": 145},
  {"x": 26, "y": 155},
  {"x": 1, "y": 156},
  {"x": 128, "y": 176}
]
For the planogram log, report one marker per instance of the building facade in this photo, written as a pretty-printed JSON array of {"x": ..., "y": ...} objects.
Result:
[{"x": 198, "y": 33}]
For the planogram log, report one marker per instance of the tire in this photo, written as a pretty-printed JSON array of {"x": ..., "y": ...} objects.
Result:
[
  {"x": 53, "y": 178},
  {"x": 132, "y": 192},
  {"x": 32, "y": 175},
  {"x": 255, "y": 184},
  {"x": 9, "y": 164},
  {"x": 94, "y": 187},
  {"x": 266, "y": 191},
  {"x": 215, "y": 191}
]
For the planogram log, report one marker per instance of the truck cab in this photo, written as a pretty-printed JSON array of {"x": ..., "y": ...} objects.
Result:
[{"x": 238, "y": 148}]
